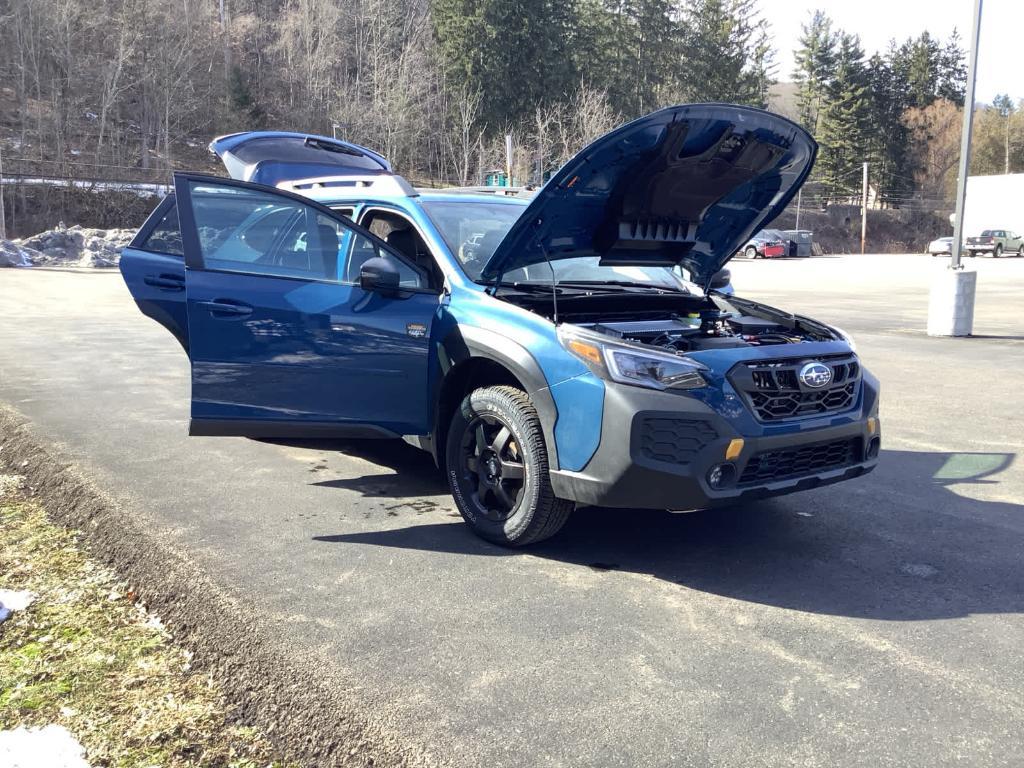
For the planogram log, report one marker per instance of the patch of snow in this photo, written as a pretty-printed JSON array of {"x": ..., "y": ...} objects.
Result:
[
  {"x": 11, "y": 600},
  {"x": 14, "y": 255},
  {"x": 51, "y": 746},
  {"x": 72, "y": 247}
]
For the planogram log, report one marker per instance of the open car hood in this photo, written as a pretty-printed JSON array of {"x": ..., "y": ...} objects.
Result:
[
  {"x": 273, "y": 157},
  {"x": 686, "y": 185}
]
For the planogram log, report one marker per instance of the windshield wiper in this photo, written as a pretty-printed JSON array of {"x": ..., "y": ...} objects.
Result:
[
  {"x": 528, "y": 287},
  {"x": 622, "y": 284}
]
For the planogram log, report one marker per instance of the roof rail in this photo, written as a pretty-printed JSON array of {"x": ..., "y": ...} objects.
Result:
[
  {"x": 381, "y": 184},
  {"x": 496, "y": 191}
]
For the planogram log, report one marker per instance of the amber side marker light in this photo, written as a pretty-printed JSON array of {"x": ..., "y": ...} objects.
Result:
[
  {"x": 586, "y": 351},
  {"x": 734, "y": 449},
  {"x": 872, "y": 425}
]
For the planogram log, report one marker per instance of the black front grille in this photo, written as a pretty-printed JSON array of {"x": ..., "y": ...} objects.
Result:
[
  {"x": 773, "y": 390},
  {"x": 801, "y": 460},
  {"x": 675, "y": 440}
]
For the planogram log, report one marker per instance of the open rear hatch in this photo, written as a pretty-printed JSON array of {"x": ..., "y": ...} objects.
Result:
[
  {"x": 686, "y": 185},
  {"x": 276, "y": 157}
]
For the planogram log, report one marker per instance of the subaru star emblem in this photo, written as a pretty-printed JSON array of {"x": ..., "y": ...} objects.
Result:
[{"x": 815, "y": 375}]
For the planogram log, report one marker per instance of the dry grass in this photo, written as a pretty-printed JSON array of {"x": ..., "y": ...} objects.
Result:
[{"x": 86, "y": 655}]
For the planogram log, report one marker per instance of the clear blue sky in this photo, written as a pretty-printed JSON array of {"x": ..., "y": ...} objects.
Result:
[{"x": 1001, "y": 54}]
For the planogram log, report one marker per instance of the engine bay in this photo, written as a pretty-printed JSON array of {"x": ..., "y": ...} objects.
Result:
[
  {"x": 680, "y": 324},
  {"x": 707, "y": 329}
]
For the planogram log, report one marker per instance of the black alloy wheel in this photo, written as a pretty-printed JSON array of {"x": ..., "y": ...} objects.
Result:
[
  {"x": 492, "y": 467},
  {"x": 496, "y": 460}
]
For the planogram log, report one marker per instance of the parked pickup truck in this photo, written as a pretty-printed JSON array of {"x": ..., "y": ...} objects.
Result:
[{"x": 997, "y": 242}]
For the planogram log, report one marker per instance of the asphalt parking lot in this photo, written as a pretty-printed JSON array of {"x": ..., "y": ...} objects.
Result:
[{"x": 878, "y": 622}]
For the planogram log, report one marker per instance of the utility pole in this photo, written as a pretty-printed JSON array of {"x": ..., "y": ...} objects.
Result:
[
  {"x": 864, "y": 211},
  {"x": 799, "y": 194},
  {"x": 3, "y": 215},
  {"x": 951, "y": 302},
  {"x": 508, "y": 159}
]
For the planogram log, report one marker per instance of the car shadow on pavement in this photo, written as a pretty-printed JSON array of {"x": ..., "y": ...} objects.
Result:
[
  {"x": 414, "y": 471},
  {"x": 899, "y": 544}
]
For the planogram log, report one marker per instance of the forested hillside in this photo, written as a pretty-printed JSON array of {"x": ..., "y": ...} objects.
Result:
[{"x": 131, "y": 88}]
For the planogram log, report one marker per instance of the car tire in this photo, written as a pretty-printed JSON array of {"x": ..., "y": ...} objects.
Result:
[
  {"x": 750, "y": 252},
  {"x": 496, "y": 462},
  {"x": 997, "y": 252},
  {"x": 1020, "y": 251}
]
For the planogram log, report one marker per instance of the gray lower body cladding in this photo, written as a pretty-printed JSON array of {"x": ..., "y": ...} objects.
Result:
[{"x": 658, "y": 448}]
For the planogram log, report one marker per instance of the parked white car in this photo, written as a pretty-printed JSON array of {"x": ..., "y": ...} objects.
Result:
[{"x": 942, "y": 246}]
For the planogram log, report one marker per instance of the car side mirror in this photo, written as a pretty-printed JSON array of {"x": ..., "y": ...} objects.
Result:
[
  {"x": 721, "y": 279},
  {"x": 379, "y": 274}
]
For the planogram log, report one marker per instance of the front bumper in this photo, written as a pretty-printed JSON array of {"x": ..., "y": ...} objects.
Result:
[{"x": 658, "y": 448}]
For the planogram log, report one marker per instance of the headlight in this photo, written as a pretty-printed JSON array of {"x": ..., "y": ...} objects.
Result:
[
  {"x": 846, "y": 337},
  {"x": 631, "y": 364}
]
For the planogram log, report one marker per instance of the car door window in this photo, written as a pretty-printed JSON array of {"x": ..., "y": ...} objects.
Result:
[
  {"x": 165, "y": 237},
  {"x": 363, "y": 249},
  {"x": 251, "y": 231}
]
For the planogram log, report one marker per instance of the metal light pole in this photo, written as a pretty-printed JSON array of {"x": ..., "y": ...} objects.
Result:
[
  {"x": 965, "y": 139},
  {"x": 951, "y": 303}
]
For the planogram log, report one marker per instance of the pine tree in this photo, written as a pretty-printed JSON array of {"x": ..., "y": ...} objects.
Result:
[
  {"x": 953, "y": 70},
  {"x": 814, "y": 67},
  {"x": 514, "y": 52},
  {"x": 726, "y": 56},
  {"x": 639, "y": 41},
  {"x": 924, "y": 68},
  {"x": 844, "y": 120}
]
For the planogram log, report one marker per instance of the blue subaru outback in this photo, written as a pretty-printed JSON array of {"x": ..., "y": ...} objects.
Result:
[{"x": 569, "y": 350}]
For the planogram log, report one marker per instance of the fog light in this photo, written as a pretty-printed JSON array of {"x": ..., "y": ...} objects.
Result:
[
  {"x": 873, "y": 448},
  {"x": 721, "y": 475}
]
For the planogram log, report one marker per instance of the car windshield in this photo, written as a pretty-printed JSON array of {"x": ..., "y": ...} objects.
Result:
[
  {"x": 991, "y": 233},
  {"x": 472, "y": 230}
]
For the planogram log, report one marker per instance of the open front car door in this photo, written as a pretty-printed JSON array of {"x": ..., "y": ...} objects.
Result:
[{"x": 300, "y": 323}]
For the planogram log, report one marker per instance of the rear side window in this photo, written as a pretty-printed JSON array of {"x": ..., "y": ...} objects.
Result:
[
  {"x": 253, "y": 232},
  {"x": 260, "y": 233},
  {"x": 166, "y": 235}
]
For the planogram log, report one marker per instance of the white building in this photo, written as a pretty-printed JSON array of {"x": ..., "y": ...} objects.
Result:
[{"x": 994, "y": 202}]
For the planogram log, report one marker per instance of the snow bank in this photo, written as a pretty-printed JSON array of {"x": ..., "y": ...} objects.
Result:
[
  {"x": 13, "y": 255},
  {"x": 67, "y": 247}
]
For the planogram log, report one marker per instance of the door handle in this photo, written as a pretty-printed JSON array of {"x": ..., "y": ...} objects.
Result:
[
  {"x": 225, "y": 307},
  {"x": 168, "y": 282}
]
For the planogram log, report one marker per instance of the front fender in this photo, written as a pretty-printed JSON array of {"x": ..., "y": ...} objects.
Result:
[{"x": 467, "y": 342}]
